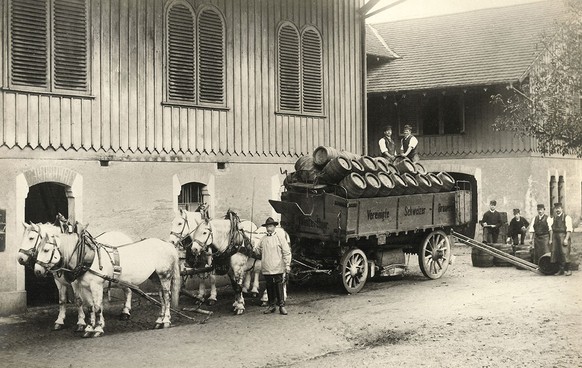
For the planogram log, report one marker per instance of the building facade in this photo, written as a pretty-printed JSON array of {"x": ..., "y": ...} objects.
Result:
[{"x": 118, "y": 112}]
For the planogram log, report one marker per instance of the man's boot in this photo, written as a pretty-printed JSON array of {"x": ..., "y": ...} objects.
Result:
[
  {"x": 567, "y": 271},
  {"x": 282, "y": 310},
  {"x": 270, "y": 309}
]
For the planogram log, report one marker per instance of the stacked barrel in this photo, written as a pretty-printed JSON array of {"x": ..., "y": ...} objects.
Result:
[{"x": 364, "y": 176}]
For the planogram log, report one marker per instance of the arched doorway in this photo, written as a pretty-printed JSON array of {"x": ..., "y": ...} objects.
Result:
[{"x": 42, "y": 204}]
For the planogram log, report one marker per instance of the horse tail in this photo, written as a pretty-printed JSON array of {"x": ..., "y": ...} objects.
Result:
[{"x": 176, "y": 284}]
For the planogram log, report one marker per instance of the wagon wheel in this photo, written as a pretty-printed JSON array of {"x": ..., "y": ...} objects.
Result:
[
  {"x": 354, "y": 270},
  {"x": 434, "y": 255}
]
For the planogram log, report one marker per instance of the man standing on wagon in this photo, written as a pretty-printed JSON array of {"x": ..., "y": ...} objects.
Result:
[
  {"x": 275, "y": 256},
  {"x": 408, "y": 145}
]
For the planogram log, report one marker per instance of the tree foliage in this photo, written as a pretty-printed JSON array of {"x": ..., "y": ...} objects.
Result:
[{"x": 547, "y": 106}]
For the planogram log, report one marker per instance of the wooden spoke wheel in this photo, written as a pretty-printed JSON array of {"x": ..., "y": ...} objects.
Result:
[
  {"x": 354, "y": 270},
  {"x": 434, "y": 254}
]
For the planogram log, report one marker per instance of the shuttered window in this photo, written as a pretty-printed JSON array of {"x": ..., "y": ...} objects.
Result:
[
  {"x": 289, "y": 69},
  {"x": 311, "y": 62},
  {"x": 300, "y": 74},
  {"x": 49, "y": 44},
  {"x": 211, "y": 56},
  {"x": 181, "y": 68},
  {"x": 195, "y": 55}
]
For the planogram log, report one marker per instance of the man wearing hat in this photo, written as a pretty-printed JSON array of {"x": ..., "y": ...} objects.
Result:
[
  {"x": 387, "y": 145},
  {"x": 408, "y": 145},
  {"x": 540, "y": 230},
  {"x": 492, "y": 223},
  {"x": 561, "y": 231},
  {"x": 517, "y": 227},
  {"x": 275, "y": 256}
]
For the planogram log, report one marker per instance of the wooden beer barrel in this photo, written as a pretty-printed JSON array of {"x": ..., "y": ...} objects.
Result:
[
  {"x": 392, "y": 169},
  {"x": 400, "y": 185},
  {"x": 350, "y": 155},
  {"x": 413, "y": 187},
  {"x": 424, "y": 183},
  {"x": 304, "y": 163},
  {"x": 437, "y": 183},
  {"x": 369, "y": 164},
  {"x": 382, "y": 164},
  {"x": 357, "y": 167},
  {"x": 373, "y": 185},
  {"x": 323, "y": 154},
  {"x": 448, "y": 181},
  {"x": 546, "y": 266},
  {"x": 524, "y": 254},
  {"x": 505, "y": 248},
  {"x": 404, "y": 165},
  {"x": 481, "y": 259},
  {"x": 354, "y": 185},
  {"x": 420, "y": 168},
  {"x": 387, "y": 184},
  {"x": 335, "y": 170}
]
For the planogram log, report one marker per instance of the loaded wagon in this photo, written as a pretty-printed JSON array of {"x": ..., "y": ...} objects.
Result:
[{"x": 358, "y": 238}]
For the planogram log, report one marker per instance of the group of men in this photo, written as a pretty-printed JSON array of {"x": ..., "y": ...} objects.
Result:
[
  {"x": 548, "y": 234},
  {"x": 408, "y": 144}
]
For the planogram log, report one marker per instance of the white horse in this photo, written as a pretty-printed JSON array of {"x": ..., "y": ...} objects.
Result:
[
  {"x": 184, "y": 225},
  {"x": 230, "y": 245},
  {"x": 93, "y": 267},
  {"x": 31, "y": 239}
]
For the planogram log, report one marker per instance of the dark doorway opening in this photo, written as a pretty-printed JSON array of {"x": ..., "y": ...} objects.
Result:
[
  {"x": 462, "y": 178},
  {"x": 43, "y": 202}
]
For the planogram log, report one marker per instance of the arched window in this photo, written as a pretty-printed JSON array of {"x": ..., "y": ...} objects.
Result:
[
  {"x": 180, "y": 53},
  {"x": 288, "y": 68},
  {"x": 300, "y": 70},
  {"x": 191, "y": 196},
  {"x": 211, "y": 40},
  {"x": 311, "y": 64},
  {"x": 195, "y": 55}
]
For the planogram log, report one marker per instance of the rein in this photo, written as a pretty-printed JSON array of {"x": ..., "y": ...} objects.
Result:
[{"x": 181, "y": 236}]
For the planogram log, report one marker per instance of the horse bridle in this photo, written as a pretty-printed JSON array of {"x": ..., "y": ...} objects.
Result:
[
  {"x": 181, "y": 236},
  {"x": 204, "y": 245},
  {"x": 32, "y": 252},
  {"x": 49, "y": 266}
]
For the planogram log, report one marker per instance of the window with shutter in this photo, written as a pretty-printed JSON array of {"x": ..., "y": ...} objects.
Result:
[
  {"x": 288, "y": 68},
  {"x": 29, "y": 42},
  {"x": 70, "y": 44},
  {"x": 180, "y": 53},
  {"x": 311, "y": 63},
  {"x": 211, "y": 40},
  {"x": 49, "y": 44}
]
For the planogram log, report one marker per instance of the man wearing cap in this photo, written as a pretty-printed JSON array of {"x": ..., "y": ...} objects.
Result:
[
  {"x": 561, "y": 231},
  {"x": 408, "y": 145},
  {"x": 517, "y": 227},
  {"x": 275, "y": 256},
  {"x": 492, "y": 222},
  {"x": 540, "y": 230},
  {"x": 387, "y": 145}
]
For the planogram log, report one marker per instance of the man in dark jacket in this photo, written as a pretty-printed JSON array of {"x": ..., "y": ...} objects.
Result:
[
  {"x": 561, "y": 245},
  {"x": 540, "y": 228},
  {"x": 492, "y": 222},
  {"x": 517, "y": 228},
  {"x": 408, "y": 145}
]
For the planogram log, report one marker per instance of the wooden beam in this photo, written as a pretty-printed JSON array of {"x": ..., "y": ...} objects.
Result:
[
  {"x": 383, "y": 8},
  {"x": 368, "y": 6}
]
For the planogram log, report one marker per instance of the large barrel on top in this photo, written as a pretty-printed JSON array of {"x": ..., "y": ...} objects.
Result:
[
  {"x": 354, "y": 185},
  {"x": 382, "y": 164},
  {"x": 404, "y": 165},
  {"x": 306, "y": 169},
  {"x": 323, "y": 154},
  {"x": 387, "y": 184},
  {"x": 413, "y": 187},
  {"x": 350, "y": 155},
  {"x": 400, "y": 185},
  {"x": 335, "y": 170},
  {"x": 419, "y": 168},
  {"x": 436, "y": 182},
  {"x": 373, "y": 185},
  {"x": 392, "y": 169},
  {"x": 369, "y": 164},
  {"x": 448, "y": 181}
]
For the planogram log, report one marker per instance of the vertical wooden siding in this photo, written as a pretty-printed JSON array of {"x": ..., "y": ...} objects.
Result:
[{"x": 126, "y": 113}]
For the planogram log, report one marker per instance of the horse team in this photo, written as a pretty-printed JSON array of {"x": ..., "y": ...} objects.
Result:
[{"x": 92, "y": 264}]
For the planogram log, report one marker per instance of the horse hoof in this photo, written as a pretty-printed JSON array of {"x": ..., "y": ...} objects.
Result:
[
  {"x": 124, "y": 317},
  {"x": 211, "y": 302},
  {"x": 80, "y": 328},
  {"x": 157, "y": 326},
  {"x": 239, "y": 312},
  {"x": 88, "y": 334},
  {"x": 167, "y": 325},
  {"x": 264, "y": 304},
  {"x": 58, "y": 327},
  {"x": 97, "y": 334}
]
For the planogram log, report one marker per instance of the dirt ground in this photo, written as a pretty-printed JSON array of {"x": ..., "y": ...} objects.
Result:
[{"x": 471, "y": 317}]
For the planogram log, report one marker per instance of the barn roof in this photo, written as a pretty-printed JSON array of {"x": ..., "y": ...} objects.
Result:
[
  {"x": 481, "y": 47},
  {"x": 376, "y": 45}
]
